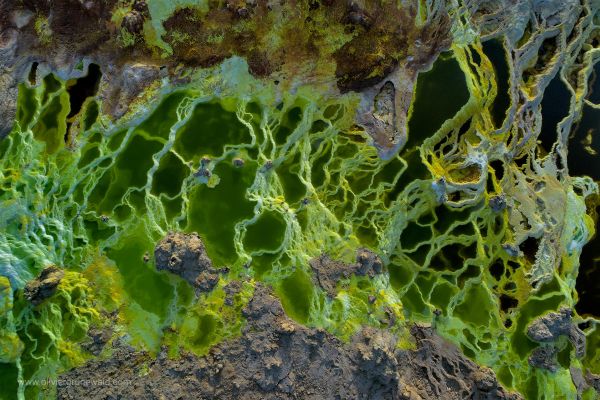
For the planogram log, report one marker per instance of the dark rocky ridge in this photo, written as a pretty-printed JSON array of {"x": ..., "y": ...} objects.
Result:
[{"x": 276, "y": 358}]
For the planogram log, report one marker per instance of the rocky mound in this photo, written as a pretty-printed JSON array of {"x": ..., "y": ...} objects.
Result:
[
  {"x": 184, "y": 254},
  {"x": 276, "y": 358}
]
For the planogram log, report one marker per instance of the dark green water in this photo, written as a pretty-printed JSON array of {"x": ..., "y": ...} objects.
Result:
[
  {"x": 495, "y": 51},
  {"x": 440, "y": 94}
]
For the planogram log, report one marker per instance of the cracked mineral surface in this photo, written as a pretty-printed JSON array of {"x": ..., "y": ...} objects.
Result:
[{"x": 358, "y": 199}]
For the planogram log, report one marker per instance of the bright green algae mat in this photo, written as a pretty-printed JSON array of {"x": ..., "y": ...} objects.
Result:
[{"x": 310, "y": 183}]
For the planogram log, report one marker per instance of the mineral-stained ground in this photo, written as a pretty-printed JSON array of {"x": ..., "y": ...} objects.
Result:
[{"x": 285, "y": 199}]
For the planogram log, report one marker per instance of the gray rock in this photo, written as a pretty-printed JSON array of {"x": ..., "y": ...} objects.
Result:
[
  {"x": 133, "y": 22},
  {"x": 548, "y": 328},
  {"x": 97, "y": 340},
  {"x": 231, "y": 289},
  {"x": 544, "y": 357},
  {"x": 578, "y": 380},
  {"x": 498, "y": 203},
  {"x": 327, "y": 272},
  {"x": 184, "y": 254},
  {"x": 122, "y": 85},
  {"x": 206, "y": 281},
  {"x": 593, "y": 380},
  {"x": 381, "y": 122}
]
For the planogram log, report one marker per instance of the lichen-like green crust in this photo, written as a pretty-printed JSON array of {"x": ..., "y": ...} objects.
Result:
[{"x": 479, "y": 225}]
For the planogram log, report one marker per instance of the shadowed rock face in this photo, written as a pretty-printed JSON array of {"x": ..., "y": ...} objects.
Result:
[{"x": 276, "y": 358}]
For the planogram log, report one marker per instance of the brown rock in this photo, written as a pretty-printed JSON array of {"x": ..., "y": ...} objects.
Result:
[{"x": 44, "y": 286}]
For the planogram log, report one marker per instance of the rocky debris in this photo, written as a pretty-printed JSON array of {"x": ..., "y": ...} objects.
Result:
[
  {"x": 327, "y": 272},
  {"x": 267, "y": 166},
  {"x": 578, "y": 380},
  {"x": 44, "y": 286},
  {"x": 277, "y": 358},
  {"x": 122, "y": 85},
  {"x": 384, "y": 40},
  {"x": 20, "y": 18},
  {"x": 498, "y": 203},
  {"x": 544, "y": 357},
  {"x": 548, "y": 328},
  {"x": 593, "y": 380},
  {"x": 206, "y": 281},
  {"x": 231, "y": 289},
  {"x": 97, "y": 340},
  {"x": 8, "y": 104},
  {"x": 369, "y": 263},
  {"x": 390, "y": 317},
  {"x": 238, "y": 162},
  {"x": 184, "y": 254}
]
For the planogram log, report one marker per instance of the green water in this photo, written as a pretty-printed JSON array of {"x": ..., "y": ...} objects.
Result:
[
  {"x": 440, "y": 94},
  {"x": 494, "y": 49}
]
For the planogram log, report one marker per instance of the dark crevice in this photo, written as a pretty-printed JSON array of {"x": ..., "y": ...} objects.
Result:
[
  {"x": 584, "y": 145},
  {"x": 498, "y": 167},
  {"x": 494, "y": 50},
  {"x": 588, "y": 279},
  {"x": 507, "y": 302},
  {"x": 594, "y": 94},
  {"x": 33, "y": 73},
  {"x": 555, "y": 107},
  {"x": 529, "y": 247},
  {"x": 513, "y": 266},
  {"x": 521, "y": 161},
  {"x": 497, "y": 269},
  {"x": 83, "y": 88}
]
